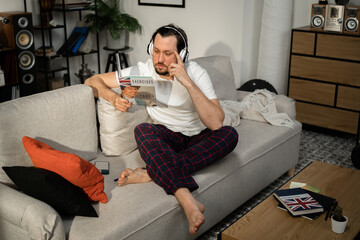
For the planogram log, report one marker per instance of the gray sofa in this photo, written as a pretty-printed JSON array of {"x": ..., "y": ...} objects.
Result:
[{"x": 66, "y": 120}]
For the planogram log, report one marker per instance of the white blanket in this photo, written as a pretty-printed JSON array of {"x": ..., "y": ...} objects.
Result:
[{"x": 258, "y": 106}]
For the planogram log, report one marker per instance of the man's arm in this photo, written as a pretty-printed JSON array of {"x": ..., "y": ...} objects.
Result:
[
  {"x": 209, "y": 111},
  {"x": 101, "y": 85}
]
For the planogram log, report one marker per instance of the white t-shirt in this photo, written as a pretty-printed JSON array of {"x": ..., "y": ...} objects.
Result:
[{"x": 175, "y": 109}]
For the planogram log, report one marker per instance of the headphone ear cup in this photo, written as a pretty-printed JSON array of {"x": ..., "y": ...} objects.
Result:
[
  {"x": 150, "y": 48},
  {"x": 182, "y": 55}
]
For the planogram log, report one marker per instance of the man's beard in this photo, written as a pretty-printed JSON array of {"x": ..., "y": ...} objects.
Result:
[{"x": 161, "y": 73}]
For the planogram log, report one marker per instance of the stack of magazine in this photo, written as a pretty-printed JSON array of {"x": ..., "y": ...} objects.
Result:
[{"x": 302, "y": 202}]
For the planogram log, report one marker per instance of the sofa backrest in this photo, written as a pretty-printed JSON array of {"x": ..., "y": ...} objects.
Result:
[
  {"x": 65, "y": 119},
  {"x": 221, "y": 74}
]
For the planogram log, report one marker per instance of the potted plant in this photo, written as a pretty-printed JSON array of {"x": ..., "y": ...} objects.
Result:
[
  {"x": 338, "y": 221},
  {"x": 106, "y": 15}
]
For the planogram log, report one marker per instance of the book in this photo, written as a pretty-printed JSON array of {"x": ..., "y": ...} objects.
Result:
[
  {"x": 75, "y": 36},
  {"x": 71, "y": 1},
  {"x": 45, "y": 49},
  {"x": 78, "y": 43},
  {"x": 298, "y": 202},
  {"x": 47, "y": 54},
  {"x": 139, "y": 90},
  {"x": 72, "y": 6},
  {"x": 325, "y": 201},
  {"x": 311, "y": 216}
]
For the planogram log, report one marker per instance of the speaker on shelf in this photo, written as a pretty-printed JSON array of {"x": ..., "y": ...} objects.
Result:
[
  {"x": 317, "y": 21},
  {"x": 17, "y": 33},
  {"x": 351, "y": 20}
]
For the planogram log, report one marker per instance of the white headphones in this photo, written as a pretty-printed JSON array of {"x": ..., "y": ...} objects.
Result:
[{"x": 183, "y": 53}]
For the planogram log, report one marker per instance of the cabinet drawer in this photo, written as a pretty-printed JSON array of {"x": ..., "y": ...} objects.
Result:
[
  {"x": 344, "y": 47},
  {"x": 312, "y": 91},
  {"x": 332, "y": 118},
  {"x": 348, "y": 98},
  {"x": 325, "y": 70},
  {"x": 303, "y": 43}
]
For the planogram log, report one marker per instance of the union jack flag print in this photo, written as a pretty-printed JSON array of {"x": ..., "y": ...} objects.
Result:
[
  {"x": 303, "y": 201},
  {"x": 124, "y": 81},
  {"x": 298, "y": 201}
]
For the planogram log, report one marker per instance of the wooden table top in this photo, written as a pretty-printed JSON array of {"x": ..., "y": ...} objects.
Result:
[{"x": 266, "y": 221}]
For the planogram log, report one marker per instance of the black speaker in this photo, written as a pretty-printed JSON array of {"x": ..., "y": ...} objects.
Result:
[{"x": 16, "y": 31}]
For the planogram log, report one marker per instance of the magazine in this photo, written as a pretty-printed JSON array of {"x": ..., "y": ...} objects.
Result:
[{"x": 139, "y": 90}]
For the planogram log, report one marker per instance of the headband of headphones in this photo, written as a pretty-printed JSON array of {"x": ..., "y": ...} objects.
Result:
[{"x": 183, "y": 53}]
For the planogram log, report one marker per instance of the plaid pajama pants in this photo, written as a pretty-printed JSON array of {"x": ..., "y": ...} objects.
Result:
[{"x": 171, "y": 157}]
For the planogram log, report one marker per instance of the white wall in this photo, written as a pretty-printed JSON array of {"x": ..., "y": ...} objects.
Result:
[{"x": 214, "y": 27}]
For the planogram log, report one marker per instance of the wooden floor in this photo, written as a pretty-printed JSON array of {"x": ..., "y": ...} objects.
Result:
[{"x": 266, "y": 221}]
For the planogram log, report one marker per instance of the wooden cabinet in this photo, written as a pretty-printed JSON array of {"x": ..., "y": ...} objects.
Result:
[{"x": 324, "y": 79}]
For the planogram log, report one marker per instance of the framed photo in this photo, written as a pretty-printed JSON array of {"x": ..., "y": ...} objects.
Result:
[{"x": 163, "y": 3}]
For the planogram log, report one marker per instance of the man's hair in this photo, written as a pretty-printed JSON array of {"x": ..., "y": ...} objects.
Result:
[{"x": 169, "y": 30}]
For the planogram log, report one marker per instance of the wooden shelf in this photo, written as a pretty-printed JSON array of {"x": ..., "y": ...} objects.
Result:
[{"x": 324, "y": 76}]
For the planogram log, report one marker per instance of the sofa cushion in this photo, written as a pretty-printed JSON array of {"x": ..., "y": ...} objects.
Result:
[
  {"x": 70, "y": 166},
  {"x": 117, "y": 128},
  {"x": 221, "y": 74},
  {"x": 63, "y": 118},
  {"x": 51, "y": 188}
]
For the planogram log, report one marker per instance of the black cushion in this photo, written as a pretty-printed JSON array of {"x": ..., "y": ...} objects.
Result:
[
  {"x": 254, "y": 84},
  {"x": 52, "y": 189}
]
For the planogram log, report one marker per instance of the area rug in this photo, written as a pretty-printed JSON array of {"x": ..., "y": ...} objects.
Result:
[{"x": 315, "y": 144}]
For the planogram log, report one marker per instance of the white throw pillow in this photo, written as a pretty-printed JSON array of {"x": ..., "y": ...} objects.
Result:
[{"x": 117, "y": 128}]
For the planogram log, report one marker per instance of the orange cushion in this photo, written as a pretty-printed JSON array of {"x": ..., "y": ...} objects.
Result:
[{"x": 76, "y": 170}]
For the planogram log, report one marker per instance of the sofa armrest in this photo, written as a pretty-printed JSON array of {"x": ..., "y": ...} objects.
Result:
[
  {"x": 36, "y": 218},
  {"x": 283, "y": 103}
]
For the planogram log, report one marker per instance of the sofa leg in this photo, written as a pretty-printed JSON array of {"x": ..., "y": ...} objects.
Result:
[{"x": 291, "y": 171}]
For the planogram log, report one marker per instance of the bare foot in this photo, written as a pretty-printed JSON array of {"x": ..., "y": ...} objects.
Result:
[
  {"x": 195, "y": 217},
  {"x": 193, "y": 209},
  {"x": 129, "y": 176}
]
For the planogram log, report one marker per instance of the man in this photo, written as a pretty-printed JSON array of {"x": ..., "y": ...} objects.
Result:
[{"x": 187, "y": 134}]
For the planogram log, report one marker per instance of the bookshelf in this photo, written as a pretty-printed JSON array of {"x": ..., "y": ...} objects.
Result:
[{"x": 44, "y": 67}]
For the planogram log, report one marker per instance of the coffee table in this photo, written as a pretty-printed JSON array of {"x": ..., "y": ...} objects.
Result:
[{"x": 266, "y": 221}]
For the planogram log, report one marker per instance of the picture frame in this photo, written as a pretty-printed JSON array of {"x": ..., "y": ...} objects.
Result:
[{"x": 163, "y": 3}]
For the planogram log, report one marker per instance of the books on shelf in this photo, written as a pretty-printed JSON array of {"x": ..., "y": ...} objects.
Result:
[
  {"x": 298, "y": 201},
  {"x": 74, "y": 42},
  {"x": 45, "y": 49},
  {"x": 71, "y": 1},
  {"x": 47, "y": 54},
  {"x": 72, "y": 6}
]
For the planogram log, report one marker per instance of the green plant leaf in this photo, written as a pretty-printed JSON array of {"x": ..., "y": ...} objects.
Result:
[{"x": 106, "y": 15}]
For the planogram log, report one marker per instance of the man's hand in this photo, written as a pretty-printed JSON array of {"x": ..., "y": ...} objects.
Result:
[
  {"x": 178, "y": 70},
  {"x": 121, "y": 104},
  {"x": 209, "y": 111}
]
